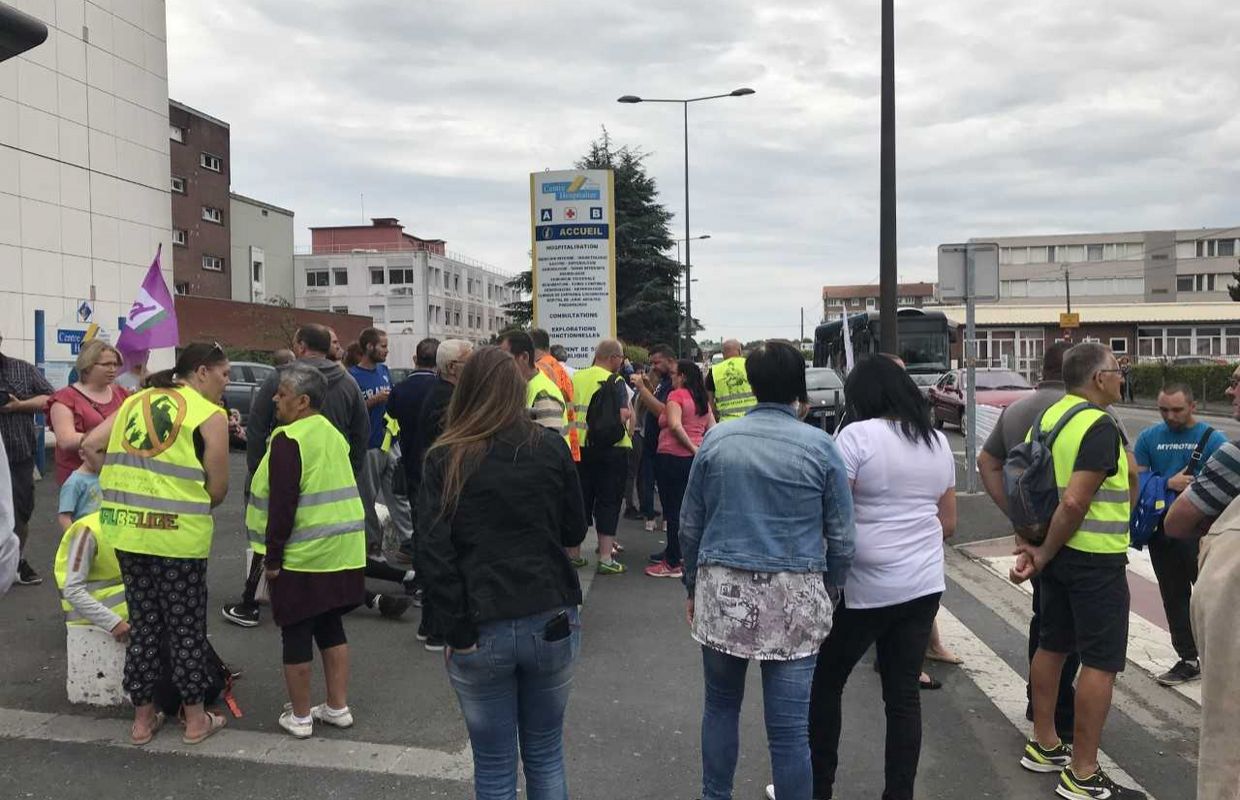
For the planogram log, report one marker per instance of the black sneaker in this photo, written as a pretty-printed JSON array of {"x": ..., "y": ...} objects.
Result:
[
  {"x": 241, "y": 614},
  {"x": 434, "y": 643},
  {"x": 26, "y": 576},
  {"x": 413, "y": 593},
  {"x": 1182, "y": 672},
  {"x": 1096, "y": 787},
  {"x": 393, "y": 607},
  {"x": 1037, "y": 758}
]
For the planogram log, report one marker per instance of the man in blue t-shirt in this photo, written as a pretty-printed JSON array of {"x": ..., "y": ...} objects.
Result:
[
  {"x": 378, "y": 474},
  {"x": 1167, "y": 449}
]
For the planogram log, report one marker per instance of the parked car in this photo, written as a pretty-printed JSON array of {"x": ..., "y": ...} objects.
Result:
[
  {"x": 826, "y": 397},
  {"x": 995, "y": 387},
  {"x": 244, "y": 377}
]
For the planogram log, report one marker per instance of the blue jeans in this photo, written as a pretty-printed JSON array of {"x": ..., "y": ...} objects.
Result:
[
  {"x": 513, "y": 691},
  {"x": 785, "y": 698}
]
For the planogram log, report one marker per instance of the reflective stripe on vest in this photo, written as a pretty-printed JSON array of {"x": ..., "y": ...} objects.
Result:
[
  {"x": 542, "y": 386},
  {"x": 103, "y": 579},
  {"x": 1105, "y": 526},
  {"x": 154, "y": 491},
  {"x": 555, "y": 372},
  {"x": 329, "y": 524},
  {"x": 733, "y": 394},
  {"x": 391, "y": 429},
  {"x": 587, "y": 382}
]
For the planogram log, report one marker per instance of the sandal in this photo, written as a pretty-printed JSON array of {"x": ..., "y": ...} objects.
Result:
[
  {"x": 929, "y": 683},
  {"x": 155, "y": 726},
  {"x": 944, "y": 658},
  {"x": 217, "y": 723}
]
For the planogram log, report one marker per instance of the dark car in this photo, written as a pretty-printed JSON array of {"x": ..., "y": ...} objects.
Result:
[
  {"x": 244, "y": 377},
  {"x": 826, "y": 397},
  {"x": 995, "y": 387}
]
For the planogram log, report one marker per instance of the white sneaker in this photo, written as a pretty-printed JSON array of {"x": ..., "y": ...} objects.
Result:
[
  {"x": 651, "y": 525},
  {"x": 301, "y": 730},
  {"x": 326, "y": 715},
  {"x": 770, "y": 791}
]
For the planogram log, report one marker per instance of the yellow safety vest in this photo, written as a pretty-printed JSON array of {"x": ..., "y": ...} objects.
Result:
[
  {"x": 329, "y": 526},
  {"x": 155, "y": 497},
  {"x": 103, "y": 580},
  {"x": 585, "y": 383},
  {"x": 1105, "y": 527},
  {"x": 391, "y": 429},
  {"x": 733, "y": 394},
  {"x": 542, "y": 386}
]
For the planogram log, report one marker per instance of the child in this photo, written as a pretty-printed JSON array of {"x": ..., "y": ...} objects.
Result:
[
  {"x": 80, "y": 495},
  {"x": 89, "y": 577}
]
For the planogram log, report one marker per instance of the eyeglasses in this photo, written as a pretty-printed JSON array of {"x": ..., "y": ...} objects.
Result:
[{"x": 1111, "y": 370}]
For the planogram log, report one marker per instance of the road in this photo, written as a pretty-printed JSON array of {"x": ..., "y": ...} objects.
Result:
[{"x": 634, "y": 718}]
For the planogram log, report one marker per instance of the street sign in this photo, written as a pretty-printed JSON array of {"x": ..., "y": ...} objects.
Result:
[
  {"x": 953, "y": 267},
  {"x": 1070, "y": 320},
  {"x": 84, "y": 312}
]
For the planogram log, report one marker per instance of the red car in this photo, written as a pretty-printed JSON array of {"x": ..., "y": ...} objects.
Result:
[{"x": 995, "y": 387}]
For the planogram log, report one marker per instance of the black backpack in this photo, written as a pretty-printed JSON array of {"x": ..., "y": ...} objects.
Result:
[
  {"x": 1029, "y": 478},
  {"x": 604, "y": 427}
]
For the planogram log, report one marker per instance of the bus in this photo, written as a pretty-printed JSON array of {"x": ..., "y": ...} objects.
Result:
[{"x": 925, "y": 342}]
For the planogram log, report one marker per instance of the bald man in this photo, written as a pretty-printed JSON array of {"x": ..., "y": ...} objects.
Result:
[{"x": 727, "y": 384}]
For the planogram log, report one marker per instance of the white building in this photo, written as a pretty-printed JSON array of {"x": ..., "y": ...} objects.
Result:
[
  {"x": 411, "y": 287},
  {"x": 262, "y": 250},
  {"x": 84, "y": 193}
]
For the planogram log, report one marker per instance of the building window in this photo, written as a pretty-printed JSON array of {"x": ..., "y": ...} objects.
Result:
[
  {"x": 176, "y": 133},
  {"x": 1184, "y": 283},
  {"x": 264, "y": 212},
  {"x": 178, "y": 237},
  {"x": 1119, "y": 346},
  {"x": 456, "y": 286},
  {"x": 178, "y": 184},
  {"x": 1214, "y": 248},
  {"x": 340, "y": 277},
  {"x": 457, "y": 318},
  {"x": 181, "y": 288},
  {"x": 1093, "y": 252},
  {"x": 213, "y": 163},
  {"x": 376, "y": 276},
  {"x": 340, "y": 309},
  {"x": 213, "y": 215},
  {"x": 213, "y": 263},
  {"x": 317, "y": 277},
  {"x": 378, "y": 314},
  {"x": 398, "y": 277},
  {"x": 257, "y": 266}
]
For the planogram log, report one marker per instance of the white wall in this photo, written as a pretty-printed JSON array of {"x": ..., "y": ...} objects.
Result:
[{"x": 84, "y": 195}]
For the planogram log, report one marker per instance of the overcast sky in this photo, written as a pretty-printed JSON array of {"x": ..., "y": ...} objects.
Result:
[{"x": 1013, "y": 117}]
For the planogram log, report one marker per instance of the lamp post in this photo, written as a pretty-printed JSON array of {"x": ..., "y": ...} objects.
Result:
[
  {"x": 629, "y": 99},
  {"x": 679, "y": 322}
]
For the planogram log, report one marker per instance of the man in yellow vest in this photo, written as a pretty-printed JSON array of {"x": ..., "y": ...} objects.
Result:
[
  {"x": 89, "y": 577},
  {"x": 305, "y": 509},
  {"x": 1082, "y": 564},
  {"x": 544, "y": 398},
  {"x": 604, "y": 465},
  {"x": 727, "y": 384}
]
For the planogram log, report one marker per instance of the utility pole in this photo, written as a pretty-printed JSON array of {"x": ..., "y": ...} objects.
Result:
[
  {"x": 1067, "y": 285},
  {"x": 888, "y": 274},
  {"x": 802, "y": 327}
]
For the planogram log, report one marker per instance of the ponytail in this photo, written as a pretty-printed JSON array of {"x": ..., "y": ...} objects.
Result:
[
  {"x": 164, "y": 379},
  {"x": 198, "y": 354}
]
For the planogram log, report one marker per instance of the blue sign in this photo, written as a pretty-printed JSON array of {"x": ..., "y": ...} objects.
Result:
[
  {"x": 85, "y": 312},
  {"x": 578, "y": 189},
  {"x": 72, "y": 338},
  {"x": 551, "y": 233},
  {"x": 544, "y": 215},
  {"x": 596, "y": 212}
]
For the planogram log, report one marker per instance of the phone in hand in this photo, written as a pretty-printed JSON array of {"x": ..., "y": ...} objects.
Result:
[{"x": 557, "y": 628}]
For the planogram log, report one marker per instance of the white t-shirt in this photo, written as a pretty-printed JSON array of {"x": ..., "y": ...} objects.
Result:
[{"x": 896, "y": 489}]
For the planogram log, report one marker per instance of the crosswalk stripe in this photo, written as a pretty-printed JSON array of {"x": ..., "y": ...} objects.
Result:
[
  {"x": 1149, "y": 646},
  {"x": 1003, "y": 687}
]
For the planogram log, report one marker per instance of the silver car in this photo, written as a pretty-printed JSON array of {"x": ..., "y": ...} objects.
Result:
[{"x": 826, "y": 397}]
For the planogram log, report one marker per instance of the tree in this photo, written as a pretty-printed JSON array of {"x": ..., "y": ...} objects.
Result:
[
  {"x": 1233, "y": 289},
  {"x": 646, "y": 309}
]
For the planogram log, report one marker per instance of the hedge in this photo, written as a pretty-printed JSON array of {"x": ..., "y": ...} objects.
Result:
[{"x": 1207, "y": 380}]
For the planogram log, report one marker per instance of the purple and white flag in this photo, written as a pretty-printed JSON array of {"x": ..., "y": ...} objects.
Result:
[{"x": 152, "y": 321}]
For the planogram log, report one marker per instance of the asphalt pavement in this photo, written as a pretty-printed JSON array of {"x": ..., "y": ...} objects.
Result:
[{"x": 634, "y": 718}]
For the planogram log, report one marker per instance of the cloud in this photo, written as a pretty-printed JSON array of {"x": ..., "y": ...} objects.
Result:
[{"x": 1054, "y": 116}]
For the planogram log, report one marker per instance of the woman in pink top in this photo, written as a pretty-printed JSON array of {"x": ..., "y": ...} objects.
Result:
[
  {"x": 75, "y": 410},
  {"x": 682, "y": 425}
]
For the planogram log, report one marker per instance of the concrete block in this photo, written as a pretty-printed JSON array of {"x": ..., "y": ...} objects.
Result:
[{"x": 96, "y": 666}]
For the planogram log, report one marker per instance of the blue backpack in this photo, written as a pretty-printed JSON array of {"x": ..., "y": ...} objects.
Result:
[{"x": 1154, "y": 498}]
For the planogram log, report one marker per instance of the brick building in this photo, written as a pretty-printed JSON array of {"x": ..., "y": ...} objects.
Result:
[
  {"x": 199, "y": 145},
  {"x": 864, "y": 297},
  {"x": 255, "y": 326}
]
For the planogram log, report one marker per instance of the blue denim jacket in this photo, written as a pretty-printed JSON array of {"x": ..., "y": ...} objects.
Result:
[{"x": 768, "y": 493}]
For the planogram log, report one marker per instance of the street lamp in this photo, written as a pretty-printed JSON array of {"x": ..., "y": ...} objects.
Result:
[{"x": 630, "y": 99}]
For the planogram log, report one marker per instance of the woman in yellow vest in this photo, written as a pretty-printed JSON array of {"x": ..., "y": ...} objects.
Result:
[
  {"x": 166, "y": 467},
  {"x": 305, "y": 515}
]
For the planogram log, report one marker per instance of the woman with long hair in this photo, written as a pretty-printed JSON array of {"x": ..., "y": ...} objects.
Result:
[
  {"x": 683, "y": 424},
  {"x": 165, "y": 468},
  {"x": 498, "y": 503},
  {"x": 903, "y": 479},
  {"x": 76, "y": 409}
]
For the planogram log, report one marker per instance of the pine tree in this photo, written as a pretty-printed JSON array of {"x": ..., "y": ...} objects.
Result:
[{"x": 646, "y": 308}]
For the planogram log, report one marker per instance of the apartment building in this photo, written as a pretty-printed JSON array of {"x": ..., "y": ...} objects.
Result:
[
  {"x": 199, "y": 165},
  {"x": 864, "y": 297},
  {"x": 262, "y": 251}
]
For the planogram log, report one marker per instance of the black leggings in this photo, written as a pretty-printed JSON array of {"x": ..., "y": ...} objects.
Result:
[
  {"x": 902, "y": 632},
  {"x": 325, "y": 629},
  {"x": 672, "y": 474},
  {"x": 167, "y": 598}
]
